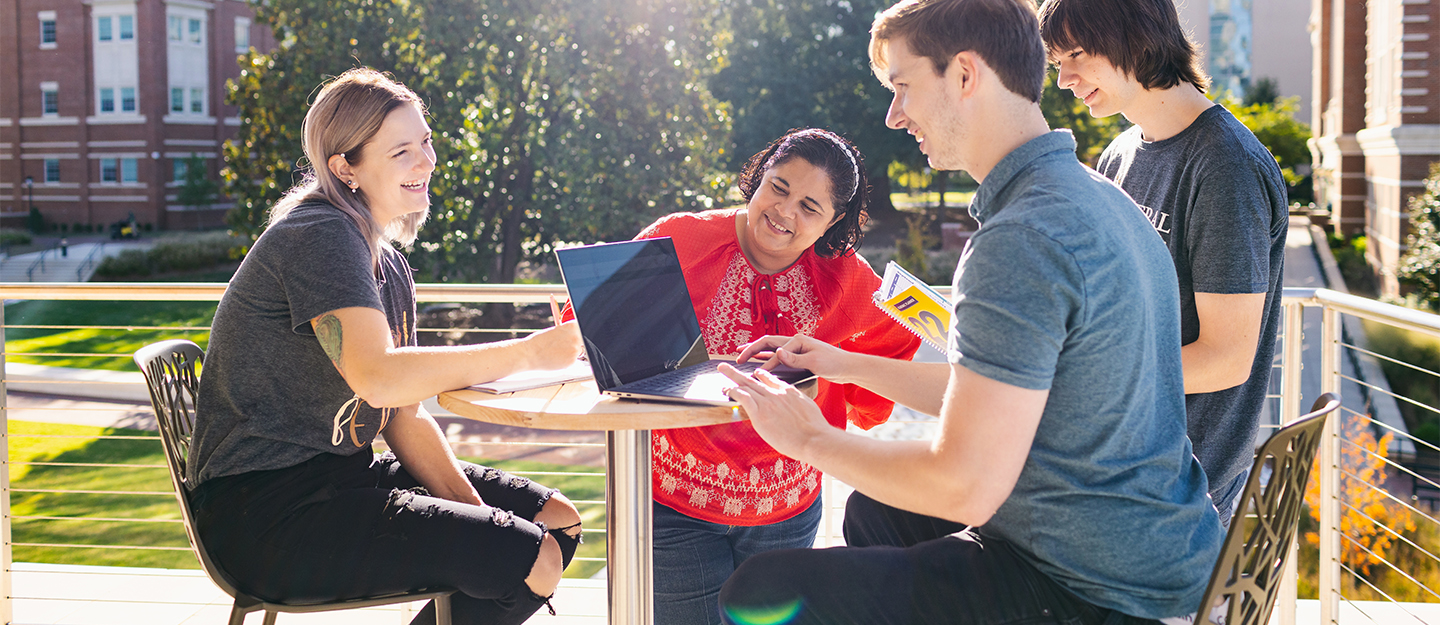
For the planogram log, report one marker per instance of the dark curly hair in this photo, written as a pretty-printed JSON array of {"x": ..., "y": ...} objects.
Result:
[{"x": 843, "y": 165}]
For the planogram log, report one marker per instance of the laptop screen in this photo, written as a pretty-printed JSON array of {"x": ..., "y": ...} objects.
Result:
[{"x": 633, "y": 308}]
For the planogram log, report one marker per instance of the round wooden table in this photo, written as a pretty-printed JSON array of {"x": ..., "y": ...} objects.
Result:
[{"x": 627, "y": 422}]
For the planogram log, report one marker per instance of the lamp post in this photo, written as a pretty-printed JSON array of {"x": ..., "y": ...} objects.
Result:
[{"x": 30, "y": 192}]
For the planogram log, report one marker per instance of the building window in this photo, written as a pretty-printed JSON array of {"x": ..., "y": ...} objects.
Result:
[
  {"x": 180, "y": 166},
  {"x": 194, "y": 31},
  {"x": 109, "y": 170},
  {"x": 129, "y": 170},
  {"x": 52, "y": 170},
  {"x": 49, "y": 101},
  {"x": 47, "y": 32},
  {"x": 127, "y": 27},
  {"x": 174, "y": 25},
  {"x": 177, "y": 99},
  {"x": 197, "y": 100},
  {"x": 242, "y": 35},
  {"x": 127, "y": 99},
  {"x": 107, "y": 100},
  {"x": 103, "y": 28}
]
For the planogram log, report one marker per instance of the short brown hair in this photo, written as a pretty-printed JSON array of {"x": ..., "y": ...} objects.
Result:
[
  {"x": 1004, "y": 33},
  {"x": 1141, "y": 38}
]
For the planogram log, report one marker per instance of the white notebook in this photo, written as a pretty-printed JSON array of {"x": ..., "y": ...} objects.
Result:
[{"x": 526, "y": 380}]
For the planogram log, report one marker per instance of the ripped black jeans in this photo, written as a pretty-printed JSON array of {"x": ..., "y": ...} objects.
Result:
[{"x": 336, "y": 527}]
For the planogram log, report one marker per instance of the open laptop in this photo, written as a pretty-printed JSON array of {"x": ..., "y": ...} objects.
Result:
[{"x": 641, "y": 334}]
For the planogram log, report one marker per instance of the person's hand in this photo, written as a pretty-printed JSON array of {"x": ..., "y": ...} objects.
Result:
[
  {"x": 784, "y": 416},
  {"x": 800, "y": 352},
  {"x": 555, "y": 348}
]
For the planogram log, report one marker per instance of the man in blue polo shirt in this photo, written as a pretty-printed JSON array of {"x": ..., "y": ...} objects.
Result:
[{"x": 1062, "y": 423}]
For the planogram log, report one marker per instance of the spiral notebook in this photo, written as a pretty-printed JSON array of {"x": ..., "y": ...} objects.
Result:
[{"x": 915, "y": 305}]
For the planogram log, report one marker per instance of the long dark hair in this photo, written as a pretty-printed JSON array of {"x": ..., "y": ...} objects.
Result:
[{"x": 842, "y": 164}]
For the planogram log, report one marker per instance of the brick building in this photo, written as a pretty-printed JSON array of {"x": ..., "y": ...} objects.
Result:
[
  {"x": 1376, "y": 118},
  {"x": 104, "y": 102}
]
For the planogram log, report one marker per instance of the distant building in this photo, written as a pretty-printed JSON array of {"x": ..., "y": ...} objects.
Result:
[
  {"x": 1377, "y": 117},
  {"x": 1243, "y": 41},
  {"x": 103, "y": 103}
]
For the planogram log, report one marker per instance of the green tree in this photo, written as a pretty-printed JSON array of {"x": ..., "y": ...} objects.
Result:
[
  {"x": 1420, "y": 266},
  {"x": 804, "y": 63},
  {"x": 555, "y": 120},
  {"x": 197, "y": 190},
  {"x": 1274, "y": 124},
  {"x": 1263, "y": 91}
]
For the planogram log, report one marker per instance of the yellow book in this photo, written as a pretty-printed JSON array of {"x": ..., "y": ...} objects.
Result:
[{"x": 915, "y": 305}]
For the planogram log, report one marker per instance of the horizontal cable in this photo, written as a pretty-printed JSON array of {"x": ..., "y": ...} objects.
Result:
[
  {"x": 105, "y": 437},
  {"x": 95, "y": 518},
  {"x": 1391, "y": 531},
  {"x": 1389, "y": 359},
  {"x": 1382, "y": 424},
  {"x": 91, "y": 464},
  {"x": 1391, "y": 565},
  {"x": 48, "y": 327},
  {"x": 462, "y": 441},
  {"x": 147, "y": 547},
  {"x": 1397, "y": 465},
  {"x": 94, "y": 492},
  {"x": 1356, "y": 606},
  {"x": 69, "y": 354},
  {"x": 1388, "y": 495},
  {"x": 1388, "y": 392}
]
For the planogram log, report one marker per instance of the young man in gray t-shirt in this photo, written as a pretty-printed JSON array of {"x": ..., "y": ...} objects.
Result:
[{"x": 1212, "y": 191}]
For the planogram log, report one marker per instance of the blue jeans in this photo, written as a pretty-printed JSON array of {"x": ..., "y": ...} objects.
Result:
[
  {"x": 693, "y": 558},
  {"x": 1229, "y": 498}
]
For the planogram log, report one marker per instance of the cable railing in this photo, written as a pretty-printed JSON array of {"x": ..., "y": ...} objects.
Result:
[{"x": 1366, "y": 489}]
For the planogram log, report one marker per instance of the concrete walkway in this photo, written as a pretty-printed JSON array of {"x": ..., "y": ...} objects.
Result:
[{"x": 74, "y": 263}]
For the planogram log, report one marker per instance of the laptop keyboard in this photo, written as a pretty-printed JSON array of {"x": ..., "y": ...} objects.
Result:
[{"x": 680, "y": 380}]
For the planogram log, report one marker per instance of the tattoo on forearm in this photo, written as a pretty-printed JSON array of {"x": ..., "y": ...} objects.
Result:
[{"x": 327, "y": 329}]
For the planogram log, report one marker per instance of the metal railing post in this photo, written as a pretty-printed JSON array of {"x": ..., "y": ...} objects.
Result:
[
  {"x": 1328, "y": 584},
  {"x": 1290, "y": 375},
  {"x": 7, "y": 604}
]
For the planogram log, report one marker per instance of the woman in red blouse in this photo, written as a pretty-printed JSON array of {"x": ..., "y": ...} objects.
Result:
[{"x": 784, "y": 264}]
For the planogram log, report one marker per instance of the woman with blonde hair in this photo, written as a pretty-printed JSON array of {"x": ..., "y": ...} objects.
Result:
[{"x": 313, "y": 354}]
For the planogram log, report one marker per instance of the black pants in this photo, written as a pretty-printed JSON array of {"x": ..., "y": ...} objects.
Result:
[
  {"x": 338, "y": 527},
  {"x": 906, "y": 568}
]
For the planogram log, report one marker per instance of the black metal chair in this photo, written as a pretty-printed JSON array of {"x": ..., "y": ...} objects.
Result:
[
  {"x": 1253, "y": 557},
  {"x": 169, "y": 368}
]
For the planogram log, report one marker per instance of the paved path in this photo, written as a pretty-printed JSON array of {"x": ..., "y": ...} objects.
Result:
[{"x": 75, "y": 263}]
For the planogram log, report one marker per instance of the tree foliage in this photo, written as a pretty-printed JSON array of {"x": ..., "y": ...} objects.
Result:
[
  {"x": 197, "y": 190},
  {"x": 1274, "y": 124},
  {"x": 1370, "y": 520},
  {"x": 1420, "y": 266},
  {"x": 793, "y": 64},
  {"x": 555, "y": 120}
]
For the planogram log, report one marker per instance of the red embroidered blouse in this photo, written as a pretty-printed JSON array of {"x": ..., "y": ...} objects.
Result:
[{"x": 726, "y": 473}]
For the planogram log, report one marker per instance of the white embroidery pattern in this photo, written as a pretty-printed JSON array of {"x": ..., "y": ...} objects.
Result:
[
  {"x": 727, "y": 326},
  {"x": 733, "y": 491}
]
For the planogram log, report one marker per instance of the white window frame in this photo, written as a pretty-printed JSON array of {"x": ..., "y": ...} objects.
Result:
[
  {"x": 47, "y": 90},
  {"x": 242, "y": 35},
  {"x": 48, "y": 17},
  {"x": 52, "y": 165},
  {"x": 114, "y": 170},
  {"x": 105, "y": 28},
  {"x": 120, "y": 27}
]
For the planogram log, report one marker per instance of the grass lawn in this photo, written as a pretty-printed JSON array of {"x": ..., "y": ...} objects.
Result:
[
  {"x": 74, "y": 444},
  {"x": 120, "y": 342},
  {"x": 932, "y": 198}
]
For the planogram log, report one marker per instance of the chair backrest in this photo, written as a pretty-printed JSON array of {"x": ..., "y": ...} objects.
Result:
[
  {"x": 1253, "y": 557},
  {"x": 169, "y": 368}
]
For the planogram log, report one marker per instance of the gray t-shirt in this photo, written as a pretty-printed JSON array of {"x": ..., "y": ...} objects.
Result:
[
  {"x": 1216, "y": 196},
  {"x": 269, "y": 396},
  {"x": 1065, "y": 287}
]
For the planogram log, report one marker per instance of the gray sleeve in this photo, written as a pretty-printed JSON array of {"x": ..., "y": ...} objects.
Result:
[
  {"x": 326, "y": 266},
  {"x": 1018, "y": 293},
  {"x": 1228, "y": 231}
]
